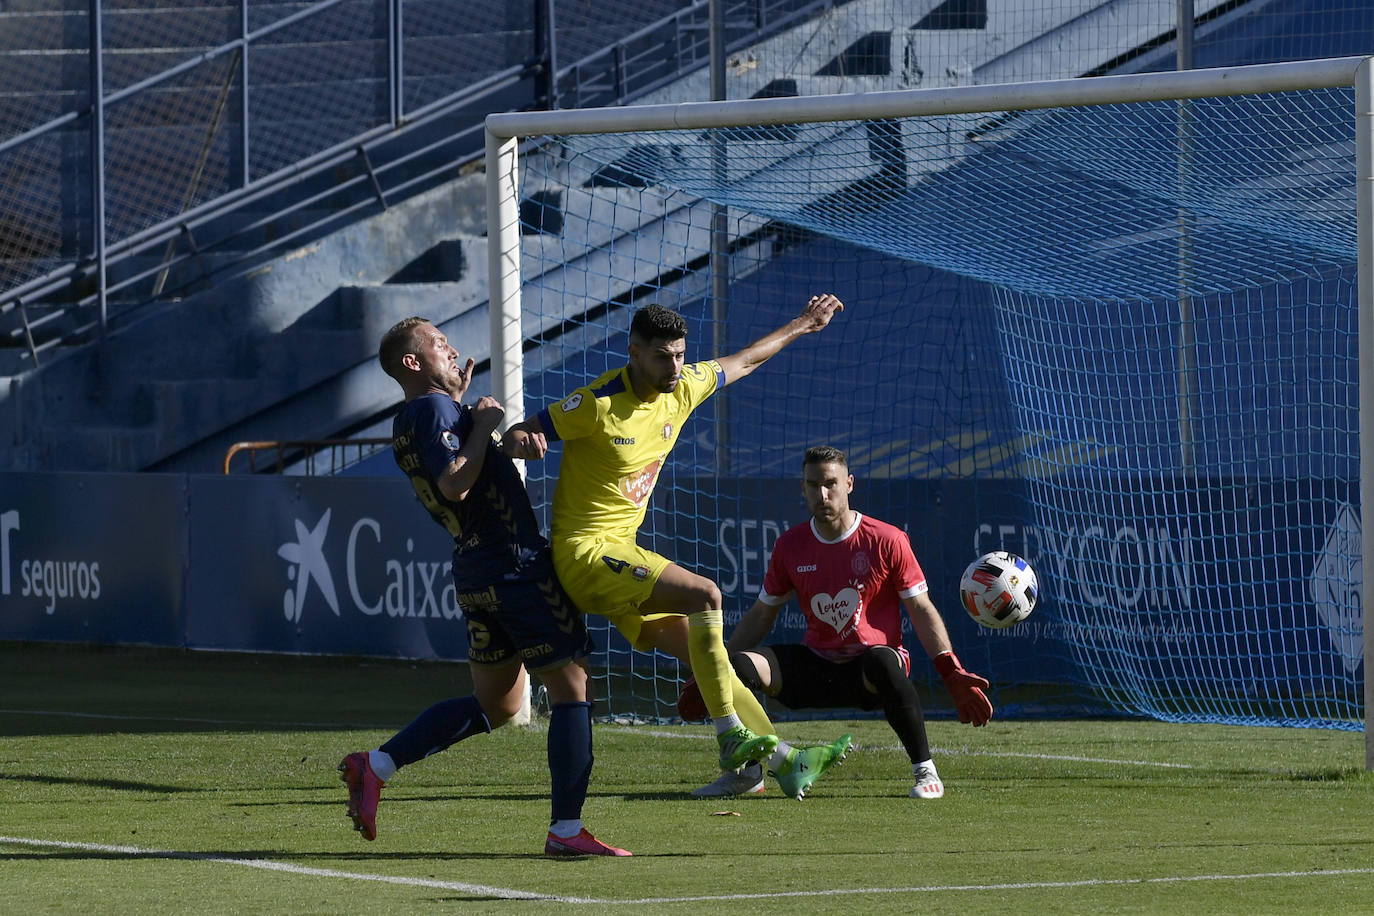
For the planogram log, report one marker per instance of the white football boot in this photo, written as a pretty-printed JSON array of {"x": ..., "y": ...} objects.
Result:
[
  {"x": 748, "y": 781},
  {"x": 928, "y": 784}
]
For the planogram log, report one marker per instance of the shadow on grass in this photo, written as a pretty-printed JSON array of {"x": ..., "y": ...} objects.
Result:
[
  {"x": 252, "y": 855},
  {"x": 457, "y": 796},
  {"x": 59, "y": 689},
  {"x": 118, "y": 785},
  {"x": 1333, "y": 774},
  {"x": 296, "y": 856}
]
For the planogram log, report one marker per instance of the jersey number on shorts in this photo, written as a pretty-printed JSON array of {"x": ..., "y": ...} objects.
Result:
[
  {"x": 479, "y": 635},
  {"x": 617, "y": 566}
]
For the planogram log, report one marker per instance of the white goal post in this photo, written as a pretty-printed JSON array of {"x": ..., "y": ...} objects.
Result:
[{"x": 505, "y": 131}]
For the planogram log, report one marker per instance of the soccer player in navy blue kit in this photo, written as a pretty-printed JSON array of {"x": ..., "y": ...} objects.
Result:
[{"x": 517, "y": 613}]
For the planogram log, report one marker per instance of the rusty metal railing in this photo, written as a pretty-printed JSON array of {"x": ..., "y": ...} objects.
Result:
[{"x": 309, "y": 451}]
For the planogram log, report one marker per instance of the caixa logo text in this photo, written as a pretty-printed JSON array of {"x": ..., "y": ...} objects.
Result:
[
  {"x": 376, "y": 579},
  {"x": 44, "y": 578}
]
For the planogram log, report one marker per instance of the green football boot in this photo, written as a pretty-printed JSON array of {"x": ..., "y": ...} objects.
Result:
[
  {"x": 739, "y": 746},
  {"x": 807, "y": 764}
]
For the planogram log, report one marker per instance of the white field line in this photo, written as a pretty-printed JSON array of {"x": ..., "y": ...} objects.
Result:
[
  {"x": 136, "y": 852},
  {"x": 1012, "y": 886},
  {"x": 511, "y": 894},
  {"x": 965, "y": 752}
]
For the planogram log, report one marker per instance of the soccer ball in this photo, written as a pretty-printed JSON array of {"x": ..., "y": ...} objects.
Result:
[{"x": 999, "y": 589}]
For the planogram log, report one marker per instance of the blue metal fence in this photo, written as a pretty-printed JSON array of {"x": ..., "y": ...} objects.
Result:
[{"x": 155, "y": 149}]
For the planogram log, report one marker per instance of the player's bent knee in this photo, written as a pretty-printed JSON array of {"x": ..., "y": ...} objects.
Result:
[
  {"x": 707, "y": 597},
  {"x": 498, "y": 716},
  {"x": 681, "y": 591},
  {"x": 565, "y": 683},
  {"x": 745, "y": 669},
  {"x": 703, "y": 595},
  {"x": 884, "y": 672},
  {"x": 500, "y": 709}
]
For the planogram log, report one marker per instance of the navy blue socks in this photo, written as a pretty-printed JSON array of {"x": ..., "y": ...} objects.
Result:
[
  {"x": 442, "y": 725},
  {"x": 570, "y": 757}
]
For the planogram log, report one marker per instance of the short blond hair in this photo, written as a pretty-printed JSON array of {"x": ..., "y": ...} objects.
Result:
[{"x": 396, "y": 343}]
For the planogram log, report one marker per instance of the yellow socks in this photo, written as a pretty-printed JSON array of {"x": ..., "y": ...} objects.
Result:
[
  {"x": 750, "y": 711},
  {"x": 710, "y": 663}
]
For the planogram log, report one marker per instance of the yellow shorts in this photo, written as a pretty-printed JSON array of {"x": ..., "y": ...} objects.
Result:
[{"x": 610, "y": 578}]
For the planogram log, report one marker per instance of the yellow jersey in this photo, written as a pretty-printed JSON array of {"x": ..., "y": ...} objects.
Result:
[{"x": 614, "y": 448}]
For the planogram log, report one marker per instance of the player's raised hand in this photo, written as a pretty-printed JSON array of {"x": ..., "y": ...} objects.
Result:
[
  {"x": 487, "y": 414},
  {"x": 464, "y": 379},
  {"x": 817, "y": 314},
  {"x": 966, "y": 688},
  {"x": 523, "y": 443},
  {"x": 820, "y": 309}
]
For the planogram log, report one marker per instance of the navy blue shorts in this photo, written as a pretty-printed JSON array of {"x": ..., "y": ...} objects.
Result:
[{"x": 528, "y": 619}]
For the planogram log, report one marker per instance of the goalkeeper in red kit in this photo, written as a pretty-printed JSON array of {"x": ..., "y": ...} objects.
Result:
[{"x": 851, "y": 575}]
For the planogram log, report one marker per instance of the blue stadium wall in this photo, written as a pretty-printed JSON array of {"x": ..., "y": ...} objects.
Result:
[
  {"x": 355, "y": 567},
  {"x": 252, "y": 563},
  {"x": 329, "y": 565},
  {"x": 352, "y": 565}
]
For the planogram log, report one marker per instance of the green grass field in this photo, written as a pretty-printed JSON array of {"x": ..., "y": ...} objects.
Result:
[{"x": 169, "y": 782}]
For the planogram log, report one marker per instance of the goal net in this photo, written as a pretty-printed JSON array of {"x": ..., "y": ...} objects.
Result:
[{"x": 1109, "y": 325}]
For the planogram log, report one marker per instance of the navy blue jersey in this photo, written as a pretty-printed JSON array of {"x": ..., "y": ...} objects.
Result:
[{"x": 495, "y": 533}]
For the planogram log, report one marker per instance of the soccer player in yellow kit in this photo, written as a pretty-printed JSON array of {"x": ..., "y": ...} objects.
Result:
[{"x": 617, "y": 433}]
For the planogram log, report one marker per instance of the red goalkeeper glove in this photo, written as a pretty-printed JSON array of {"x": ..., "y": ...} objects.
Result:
[
  {"x": 690, "y": 705},
  {"x": 966, "y": 688}
]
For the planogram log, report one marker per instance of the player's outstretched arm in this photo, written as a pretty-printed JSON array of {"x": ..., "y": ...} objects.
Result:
[
  {"x": 526, "y": 440},
  {"x": 965, "y": 687},
  {"x": 814, "y": 317},
  {"x": 756, "y": 623},
  {"x": 928, "y": 624}
]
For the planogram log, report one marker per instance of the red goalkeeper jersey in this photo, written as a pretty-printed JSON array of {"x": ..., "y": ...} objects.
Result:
[{"x": 849, "y": 589}]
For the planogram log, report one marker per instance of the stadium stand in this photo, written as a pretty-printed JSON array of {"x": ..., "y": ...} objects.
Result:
[{"x": 281, "y": 248}]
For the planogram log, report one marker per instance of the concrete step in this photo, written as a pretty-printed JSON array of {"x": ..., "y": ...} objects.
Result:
[
  {"x": 46, "y": 7},
  {"x": 91, "y": 446},
  {"x": 280, "y": 351},
  {"x": 449, "y": 261},
  {"x": 185, "y": 273},
  {"x": 340, "y": 331},
  {"x": 186, "y": 410},
  {"x": 343, "y": 396}
]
